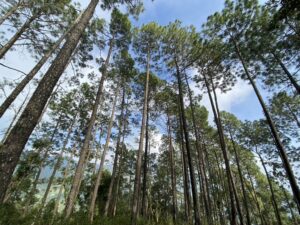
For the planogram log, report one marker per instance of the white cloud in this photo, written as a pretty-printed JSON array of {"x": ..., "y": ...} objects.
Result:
[{"x": 236, "y": 96}]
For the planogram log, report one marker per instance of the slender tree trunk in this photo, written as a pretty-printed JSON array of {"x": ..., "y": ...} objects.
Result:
[
  {"x": 98, "y": 146},
  {"x": 279, "y": 145},
  {"x": 116, "y": 159},
  {"x": 9, "y": 12},
  {"x": 137, "y": 181},
  {"x": 41, "y": 165},
  {"x": 200, "y": 156},
  {"x": 66, "y": 172},
  {"x": 20, "y": 87},
  {"x": 289, "y": 205},
  {"x": 223, "y": 137},
  {"x": 84, "y": 150},
  {"x": 293, "y": 115},
  {"x": 17, "y": 35},
  {"x": 121, "y": 161},
  {"x": 172, "y": 168},
  {"x": 57, "y": 164},
  {"x": 188, "y": 148},
  {"x": 288, "y": 74},
  {"x": 15, "y": 118},
  {"x": 145, "y": 165},
  {"x": 105, "y": 149},
  {"x": 241, "y": 179},
  {"x": 262, "y": 220},
  {"x": 233, "y": 218},
  {"x": 277, "y": 213},
  {"x": 13, "y": 146}
]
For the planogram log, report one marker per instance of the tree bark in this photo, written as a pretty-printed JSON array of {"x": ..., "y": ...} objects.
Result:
[
  {"x": 279, "y": 145},
  {"x": 112, "y": 184},
  {"x": 84, "y": 150},
  {"x": 172, "y": 168},
  {"x": 145, "y": 165},
  {"x": 12, "y": 148},
  {"x": 188, "y": 148},
  {"x": 41, "y": 165},
  {"x": 241, "y": 179},
  {"x": 57, "y": 164},
  {"x": 277, "y": 213},
  {"x": 137, "y": 181},
  {"x": 105, "y": 149},
  {"x": 66, "y": 172},
  {"x": 233, "y": 219},
  {"x": 262, "y": 220},
  {"x": 15, "y": 118},
  {"x": 17, "y": 35},
  {"x": 288, "y": 74},
  {"x": 200, "y": 156}
]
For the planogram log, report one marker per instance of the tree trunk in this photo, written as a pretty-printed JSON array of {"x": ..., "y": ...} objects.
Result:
[
  {"x": 262, "y": 220},
  {"x": 188, "y": 148},
  {"x": 137, "y": 181},
  {"x": 279, "y": 145},
  {"x": 15, "y": 118},
  {"x": 10, "y": 12},
  {"x": 172, "y": 168},
  {"x": 105, "y": 149},
  {"x": 233, "y": 218},
  {"x": 66, "y": 172},
  {"x": 200, "y": 156},
  {"x": 108, "y": 203},
  {"x": 17, "y": 35},
  {"x": 288, "y": 74},
  {"x": 289, "y": 205},
  {"x": 121, "y": 160},
  {"x": 145, "y": 165},
  {"x": 57, "y": 164},
  {"x": 20, "y": 87},
  {"x": 241, "y": 179},
  {"x": 277, "y": 213},
  {"x": 12, "y": 148},
  {"x": 41, "y": 165},
  {"x": 293, "y": 115},
  {"x": 84, "y": 150}
]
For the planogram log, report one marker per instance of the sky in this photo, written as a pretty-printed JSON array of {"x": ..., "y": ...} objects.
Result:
[{"x": 240, "y": 101}]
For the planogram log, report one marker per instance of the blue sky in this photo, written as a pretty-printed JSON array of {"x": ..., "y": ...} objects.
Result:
[{"x": 241, "y": 101}]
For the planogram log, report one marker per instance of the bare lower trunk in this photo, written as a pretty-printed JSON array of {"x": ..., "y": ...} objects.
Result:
[
  {"x": 108, "y": 209},
  {"x": 145, "y": 167},
  {"x": 13, "y": 146},
  {"x": 262, "y": 220},
  {"x": 277, "y": 213},
  {"x": 233, "y": 218},
  {"x": 186, "y": 180},
  {"x": 66, "y": 172},
  {"x": 278, "y": 143},
  {"x": 188, "y": 148},
  {"x": 137, "y": 181},
  {"x": 17, "y": 35},
  {"x": 100, "y": 170},
  {"x": 84, "y": 150},
  {"x": 241, "y": 179},
  {"x": 173, "y": 175},
  {"x": 57, "y": 164},
  {"x": 200, "y": 157}
]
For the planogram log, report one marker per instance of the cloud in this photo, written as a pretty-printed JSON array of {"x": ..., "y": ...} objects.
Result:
[{"x": 228, "y": 101}]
